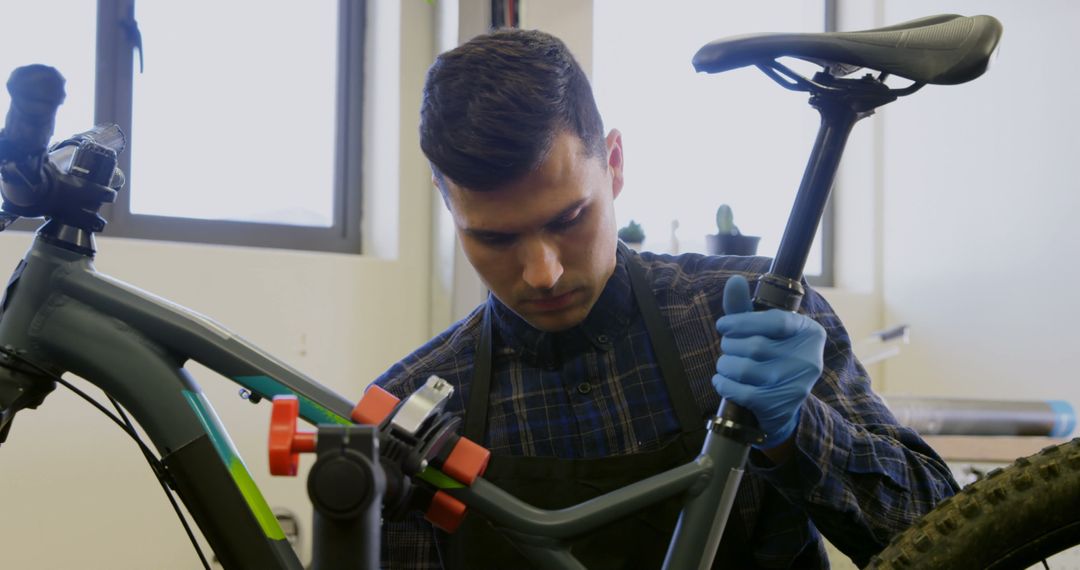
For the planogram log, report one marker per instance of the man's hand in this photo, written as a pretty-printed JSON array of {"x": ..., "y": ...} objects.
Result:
[{"x": 771, "y": 359}]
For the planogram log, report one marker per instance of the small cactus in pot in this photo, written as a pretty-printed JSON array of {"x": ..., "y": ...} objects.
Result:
[{"x": 728, "y": 240}]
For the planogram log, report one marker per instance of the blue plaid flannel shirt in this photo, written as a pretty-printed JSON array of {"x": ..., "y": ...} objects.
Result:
[{"x": 594, "y": 391}]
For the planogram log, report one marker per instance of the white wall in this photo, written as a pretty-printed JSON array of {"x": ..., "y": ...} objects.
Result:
[
  {"x": 75, "y": 491},
  {"x": 980, "y": 206},
  {"x": 856, "y": 202}
]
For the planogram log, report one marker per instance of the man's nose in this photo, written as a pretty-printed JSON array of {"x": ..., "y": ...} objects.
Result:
[{"x": 542, "y": 267}]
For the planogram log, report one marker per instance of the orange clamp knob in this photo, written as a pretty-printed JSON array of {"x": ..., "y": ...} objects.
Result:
[
  {"x": 466, "y": 461},
  {"x": 374, "y": 406},
  {"x": 286, "y": 444},
  {"x": 445, "y": 512}
]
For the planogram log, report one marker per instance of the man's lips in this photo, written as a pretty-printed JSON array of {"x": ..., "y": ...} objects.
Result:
[{"x": 553, "y": 303}]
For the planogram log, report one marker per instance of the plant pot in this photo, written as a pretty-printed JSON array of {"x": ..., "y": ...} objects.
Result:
[
  {"x": 731, "y": 244},
  {"x": 634, "y": 245}
]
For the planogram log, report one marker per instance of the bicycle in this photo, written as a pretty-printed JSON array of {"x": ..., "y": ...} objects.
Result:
[{"x": 381, "y": 456}]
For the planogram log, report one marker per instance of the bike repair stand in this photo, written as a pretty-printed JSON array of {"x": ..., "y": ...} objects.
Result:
[
  {"x": 346, "y": 487},
  {"x": 346, "y": 484},
  {"x": 363, "y": 470}
]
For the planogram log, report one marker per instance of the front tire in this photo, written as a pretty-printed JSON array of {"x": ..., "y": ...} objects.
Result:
[{"x": 1014, "y": 518}]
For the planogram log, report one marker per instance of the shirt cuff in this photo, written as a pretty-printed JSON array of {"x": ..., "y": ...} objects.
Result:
[{"x": 822, "y": 444}]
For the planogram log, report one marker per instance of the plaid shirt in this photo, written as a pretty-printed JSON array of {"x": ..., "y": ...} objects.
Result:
[{"x": 595, "y": 391}]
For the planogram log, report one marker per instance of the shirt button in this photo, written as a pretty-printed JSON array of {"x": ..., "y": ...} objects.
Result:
[
  {"x": 603, "y": 339},
  {"x": 584, "y": 388}
]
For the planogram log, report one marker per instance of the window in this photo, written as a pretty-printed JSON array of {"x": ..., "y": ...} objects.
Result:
[
  {"x": 695, "y": 141},
  {"x": 244, "y": 124},
  {"x": 38, "y": 35}
]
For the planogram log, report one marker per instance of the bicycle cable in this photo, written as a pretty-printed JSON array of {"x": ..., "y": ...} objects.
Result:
[
  {"x": 128, "y": 427},
  {"x": 159, "y": 471}
]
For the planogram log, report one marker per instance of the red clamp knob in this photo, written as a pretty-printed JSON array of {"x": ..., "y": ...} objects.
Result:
[
  {"x": 445, "y": 512},
  {"x": 286, "y": 443},
  {"x": 374, "y": 406},
  {"x": 466, "y": 461}
]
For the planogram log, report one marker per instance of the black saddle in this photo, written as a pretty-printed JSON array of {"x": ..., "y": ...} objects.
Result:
[{"x": 944, "y": 50}]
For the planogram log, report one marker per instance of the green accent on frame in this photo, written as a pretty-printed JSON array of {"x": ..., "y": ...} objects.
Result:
[
  {"x": 439, "y": 479},
  {"x": 309, "y": 410},
  {"x": 224, "y": 446}
]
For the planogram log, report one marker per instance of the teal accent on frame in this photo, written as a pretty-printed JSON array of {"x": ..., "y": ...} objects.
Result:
[
  {"x": 224, "y": 447},
  {"x": 309, "y": 410}
]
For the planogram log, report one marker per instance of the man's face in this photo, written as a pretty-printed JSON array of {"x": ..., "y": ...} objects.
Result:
[{"x": 545, "y": 245}]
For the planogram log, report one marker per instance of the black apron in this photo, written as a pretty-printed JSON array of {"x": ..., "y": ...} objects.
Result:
[{"x": 637, "y": 541}]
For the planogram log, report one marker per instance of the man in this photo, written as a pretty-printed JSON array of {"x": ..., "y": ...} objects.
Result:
[{"x": 561, "y": 372}]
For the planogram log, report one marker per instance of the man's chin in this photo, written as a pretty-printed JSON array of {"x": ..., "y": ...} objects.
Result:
[{"x": 555, "y": 322}]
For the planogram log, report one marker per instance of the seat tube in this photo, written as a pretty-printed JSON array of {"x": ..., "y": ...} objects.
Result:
[{"x": 702, "y": 522}]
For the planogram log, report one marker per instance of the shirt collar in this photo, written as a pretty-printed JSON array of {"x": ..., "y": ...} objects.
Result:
[{"x": 608, "y": 320}]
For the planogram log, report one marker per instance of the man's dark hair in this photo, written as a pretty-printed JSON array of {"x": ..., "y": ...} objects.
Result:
[{"x": 493, "y": 106}]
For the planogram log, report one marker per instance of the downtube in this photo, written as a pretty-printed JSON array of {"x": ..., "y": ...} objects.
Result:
[{"x": 221, "y": 496}]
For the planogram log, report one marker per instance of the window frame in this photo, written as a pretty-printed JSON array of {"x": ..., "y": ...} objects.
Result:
[
  {"x": 115, "y": 71},
  {"x": 827, "y": 225}
]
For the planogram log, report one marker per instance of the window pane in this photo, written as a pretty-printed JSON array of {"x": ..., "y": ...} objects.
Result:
[
  {"x": 695, "y": 141},
  {"x": 234, "y": 116},
  {"x": 59, "y": 34}
]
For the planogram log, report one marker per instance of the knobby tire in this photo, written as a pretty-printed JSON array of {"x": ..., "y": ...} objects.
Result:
[{"x": 1013, "y": 518}]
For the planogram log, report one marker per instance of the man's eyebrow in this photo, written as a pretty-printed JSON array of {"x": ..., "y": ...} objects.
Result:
[{"x": 480, "y": 232}]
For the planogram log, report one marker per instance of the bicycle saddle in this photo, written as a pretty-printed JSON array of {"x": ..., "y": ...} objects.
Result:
[{"x": 945, "y": 50}]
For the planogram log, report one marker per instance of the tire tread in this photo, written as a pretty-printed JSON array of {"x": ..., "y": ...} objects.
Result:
[{"x": 1009, "y": 508}]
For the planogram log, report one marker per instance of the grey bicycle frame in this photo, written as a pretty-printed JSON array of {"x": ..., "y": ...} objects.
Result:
[{"x": 60, "y": 313}]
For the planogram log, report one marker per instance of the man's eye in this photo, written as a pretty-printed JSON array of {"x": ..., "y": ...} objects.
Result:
[
  {"x": 568, "y": 222},
  {"x": 494, "y": 239}
]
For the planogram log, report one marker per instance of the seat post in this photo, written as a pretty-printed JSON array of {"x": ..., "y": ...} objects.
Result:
[
  {"x": 840, "y": 109},
  {"x": 841, "y": 103}
]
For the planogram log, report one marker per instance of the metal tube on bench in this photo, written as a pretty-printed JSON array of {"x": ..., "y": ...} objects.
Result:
[{"x": 959, "y": 416}]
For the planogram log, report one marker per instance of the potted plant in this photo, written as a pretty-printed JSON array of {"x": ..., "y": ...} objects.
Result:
[
  {"x": 633, "y": 235},
  {"x": 728, "y": 240}
]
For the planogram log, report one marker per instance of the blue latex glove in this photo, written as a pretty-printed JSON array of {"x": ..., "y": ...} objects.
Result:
[{"x": 771, "y": 359}]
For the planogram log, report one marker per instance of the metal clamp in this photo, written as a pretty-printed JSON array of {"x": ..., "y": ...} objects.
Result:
[
  {"x": 422, "y": 404},
  {"x": 734, "y": 430}
]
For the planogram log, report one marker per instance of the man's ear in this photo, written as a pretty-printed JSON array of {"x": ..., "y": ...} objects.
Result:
[
  {"x": 440, "y": 189},
  {"x": 615, "y": 161}
]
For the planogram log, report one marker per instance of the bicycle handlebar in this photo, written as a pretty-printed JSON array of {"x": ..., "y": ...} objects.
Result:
[
  {"x": 69, "y": 182},
  {"x": 36, "y": 93}
]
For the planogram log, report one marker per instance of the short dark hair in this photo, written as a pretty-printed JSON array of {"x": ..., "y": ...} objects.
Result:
[{"x": 493, "y": 106}]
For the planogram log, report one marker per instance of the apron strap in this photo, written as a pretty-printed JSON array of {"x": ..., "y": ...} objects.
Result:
[
  {"x": 663, "y": 343},
  {"x": 480, "y": 388}
]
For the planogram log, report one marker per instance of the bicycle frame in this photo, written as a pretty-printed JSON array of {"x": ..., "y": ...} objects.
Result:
[{"x": 132, "y": 344}]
